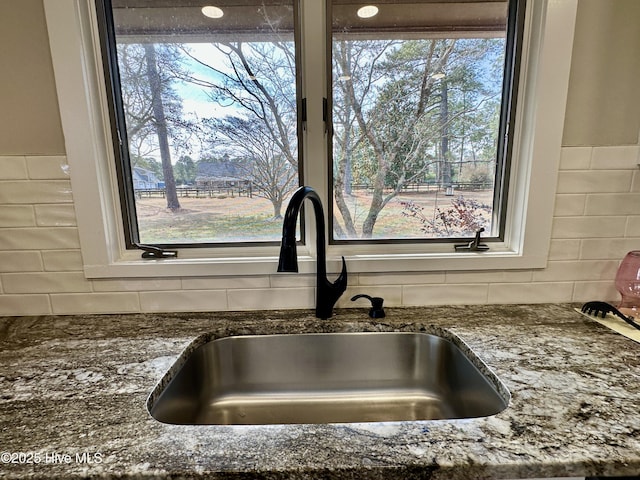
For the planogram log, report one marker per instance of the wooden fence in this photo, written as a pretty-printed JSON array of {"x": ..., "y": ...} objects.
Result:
[
  {"x": 246, "y": 190},
  {"x": 433, "y": 187},
  {"x": 197, "y": 192}
]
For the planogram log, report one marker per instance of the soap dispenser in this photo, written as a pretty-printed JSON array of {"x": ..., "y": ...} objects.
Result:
[{"x": 376, "y": 310}]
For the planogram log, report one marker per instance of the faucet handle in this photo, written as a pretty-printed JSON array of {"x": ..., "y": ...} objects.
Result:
[
  {"x": 376, "y": 310},
  {"x": 341, "y": 281}
]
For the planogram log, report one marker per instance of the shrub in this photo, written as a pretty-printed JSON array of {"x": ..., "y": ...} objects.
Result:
[{"x": 463, "y": 219}]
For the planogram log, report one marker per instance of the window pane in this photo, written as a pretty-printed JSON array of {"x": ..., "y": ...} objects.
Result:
[
  {"x": 209, "y": 99},
  {"x": 416, "y": 105}
]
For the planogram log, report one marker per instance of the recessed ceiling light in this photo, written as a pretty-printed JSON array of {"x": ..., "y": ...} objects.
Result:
[
  {"x": 212, "y": 12},
  {"x": 368, "y": 11}
]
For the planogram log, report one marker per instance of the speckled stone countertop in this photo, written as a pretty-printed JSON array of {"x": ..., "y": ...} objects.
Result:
[{"x": 73, "y": 393}]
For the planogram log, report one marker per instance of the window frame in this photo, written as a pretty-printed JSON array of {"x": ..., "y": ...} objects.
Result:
[
  {"x": 108, "y": 38},
  {"x": 513, "y": 47},
  {"x": 542, "y": 93}
]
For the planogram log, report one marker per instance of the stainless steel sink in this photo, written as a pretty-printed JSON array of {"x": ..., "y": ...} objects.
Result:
[{"x": 327, "y": 378}]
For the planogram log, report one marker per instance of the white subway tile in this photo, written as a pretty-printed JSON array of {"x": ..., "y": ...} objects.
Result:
[
  {"x": 497, "y": 276},
  {"x": 613, "y": 204},
  {"x": 39, "y": 238},
  {"x": 633, "y": 227},
  {"x": 569, "y": 205},
  {"x": 588, "y": 227},
  {"x": 76, "y": 303},
  {"x": 450, "y": 294},
  {"x": 13, "y": 168},
  {"x": 271, "y": 298},
  {"x": 184, "y": 301},
  {"x": 635, "y": 183},
  {"x": 55, "y": 215},
  {"x": 558, "y": 271},
  {"x": 564, "y": 249},
  {"x": 545, "y": 292},
  {"x": 286, "y": 280},
  {"x": 20, "y": 261},
  {"x": 220, "y": 283},
  {"x": 135, "y": 284},
  {"x": 25, "y": 305},
  {"x": 45, "y": 282},
  {"x": 395, "y": 278},
  {"x": 17, "y": 216},
  {"x": 602, "y": 291},
  {"x": 594, "y": 181},
  {"x": 62, "y": 260},
  {"x": 575, "y": 158},
  {"x": 47, "y": 167},
  {"x": 620, "y": 157},
  {"x": 35, "y": 191},
  {"x": 610, "y": 248}
]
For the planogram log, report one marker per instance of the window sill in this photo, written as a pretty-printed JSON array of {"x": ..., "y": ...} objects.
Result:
[{"x": 496, "y": 259}]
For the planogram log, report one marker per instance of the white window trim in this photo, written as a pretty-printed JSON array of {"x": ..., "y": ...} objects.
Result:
[{"x": 547, "y": 48}]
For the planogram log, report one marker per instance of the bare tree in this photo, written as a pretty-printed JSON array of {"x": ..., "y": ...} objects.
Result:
[
  {"x": 395, "y": 117},
  {"x": 160, "y": 125},
  {"x": 257, "y": 79},
  {"x": 271, "y": 173},
  {"x": 152, "y": 108},
  {"x": 392, "y": 142}
]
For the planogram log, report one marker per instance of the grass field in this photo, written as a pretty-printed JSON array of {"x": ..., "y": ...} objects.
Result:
[{"x": 229, "y": 219}]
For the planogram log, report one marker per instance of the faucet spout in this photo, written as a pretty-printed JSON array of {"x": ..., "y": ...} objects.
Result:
[{"x": 327, "y": 293}]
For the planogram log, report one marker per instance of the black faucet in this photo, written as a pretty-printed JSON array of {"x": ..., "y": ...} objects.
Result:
[{"x": 327, "y": 293}]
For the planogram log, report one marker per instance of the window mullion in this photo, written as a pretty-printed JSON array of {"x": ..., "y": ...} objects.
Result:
[{"x": 314, "y": 87}]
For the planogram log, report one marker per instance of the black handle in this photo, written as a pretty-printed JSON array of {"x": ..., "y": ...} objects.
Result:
[
  {"x": 151, "y": 251},
  {"x": 474, "y": 245},
  {"x": 376, "y": 310}
]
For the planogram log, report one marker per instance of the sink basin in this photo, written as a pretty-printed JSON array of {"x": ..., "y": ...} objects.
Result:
[{"x": 327, "y": 378}]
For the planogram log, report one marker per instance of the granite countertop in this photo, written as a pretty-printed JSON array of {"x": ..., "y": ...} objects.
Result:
[{"x": 73, "y": 393}]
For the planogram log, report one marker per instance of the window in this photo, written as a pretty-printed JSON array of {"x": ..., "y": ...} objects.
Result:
[
  {"x": 518, "y": 222},
  {"x": 205, "y": 113},
  {"x": 421, "y": 102}
]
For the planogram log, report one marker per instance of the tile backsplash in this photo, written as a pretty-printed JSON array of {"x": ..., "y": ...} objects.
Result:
[{"x": 596, "y": 221}]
